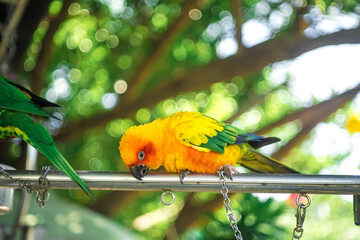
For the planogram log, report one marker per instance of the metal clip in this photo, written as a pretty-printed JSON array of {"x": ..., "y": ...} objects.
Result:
[{"x": 300, "y": 217}]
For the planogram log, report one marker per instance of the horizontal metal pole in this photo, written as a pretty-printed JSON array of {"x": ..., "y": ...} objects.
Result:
[{"x": 196, "y": 182}]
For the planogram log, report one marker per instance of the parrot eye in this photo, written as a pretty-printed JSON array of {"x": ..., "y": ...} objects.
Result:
[{"x": 141, "y": 155}]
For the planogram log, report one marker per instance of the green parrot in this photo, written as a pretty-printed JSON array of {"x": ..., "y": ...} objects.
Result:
[{"x": 17, "y": 105}]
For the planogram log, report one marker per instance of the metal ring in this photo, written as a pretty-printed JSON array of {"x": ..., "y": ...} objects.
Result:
[
  {"x": 172, "y": 200},
  {"x": 301, "y": 204}
]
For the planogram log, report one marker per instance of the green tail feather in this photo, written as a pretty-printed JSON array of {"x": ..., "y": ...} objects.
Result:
[
  {"x": 60, "y": 162},
  {"x": 258, "y": 162},
  {"x": 22, "y": 125}
]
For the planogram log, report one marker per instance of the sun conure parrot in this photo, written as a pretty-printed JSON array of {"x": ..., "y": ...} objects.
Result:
[
  {"x": 17, "y": 105},
  {"x": 191, "y": 141}
]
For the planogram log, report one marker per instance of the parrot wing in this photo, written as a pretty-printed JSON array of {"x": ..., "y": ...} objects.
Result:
[
  {"x": 17, "y": 98},
  {"x": 205, "y": 133}
]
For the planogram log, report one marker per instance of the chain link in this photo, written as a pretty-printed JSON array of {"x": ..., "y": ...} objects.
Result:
[
  {"x": 172, "y": 198},
  {"x": 300, "y": 216},
  {"x": 42, "y": 194},
  {"x": 229, "y": 212},
  {"x": 23, "y": 185}
]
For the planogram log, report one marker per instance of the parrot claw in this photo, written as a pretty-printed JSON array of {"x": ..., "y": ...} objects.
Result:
[
  {"x": 229, "y": 170},
  {"x": 183, "y": 173}
]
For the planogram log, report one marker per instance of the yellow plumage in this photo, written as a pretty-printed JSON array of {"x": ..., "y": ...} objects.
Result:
[
  {"x": 353, "y": 122},
  {"x": 193, "y": 141}
]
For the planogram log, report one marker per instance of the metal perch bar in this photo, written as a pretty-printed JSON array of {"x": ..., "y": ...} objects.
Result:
[{"x": 194, "y": 182}]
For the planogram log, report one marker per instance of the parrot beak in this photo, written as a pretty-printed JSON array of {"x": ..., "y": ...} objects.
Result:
[{"x": 139, "y": 171}]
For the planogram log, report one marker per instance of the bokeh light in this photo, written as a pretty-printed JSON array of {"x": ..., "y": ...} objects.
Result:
[
  {"x": 85, "y": 45},
  {"x": 125, "y": 62},
  {"x": 74, "y": 9},
  {"x": 120, "y": 86},
  {"x": 101, "y": 35},
  {"x": 159, "y": 20},
  {"x": 195, "y": 14},
  {"x": 143, "y": 115},
  {"x": 29, "y": 64},
  {"x": 112, "y": 41},
  {"x": 109, "y": 100}
]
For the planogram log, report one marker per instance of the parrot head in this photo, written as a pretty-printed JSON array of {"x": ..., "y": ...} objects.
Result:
[{"x": 139, "y": 150}]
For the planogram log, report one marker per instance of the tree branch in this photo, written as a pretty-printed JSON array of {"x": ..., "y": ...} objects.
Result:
[
  {"x": 11, "y": 28},
  {"x": 251, "y": 60},
  {"x": 160, "y": 50},
  {"x": 38, "y": 73},
  {"x": 310, "y": 117},
  {"x": 236, "y": 8},
  {"x": 326, "y": 107},
  {"x": 299, "y": 24}
]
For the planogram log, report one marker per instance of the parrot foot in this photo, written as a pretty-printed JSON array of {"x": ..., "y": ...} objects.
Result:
[
  {"x": 229, "y": 170},
  {"x": 183, "y": 174}
]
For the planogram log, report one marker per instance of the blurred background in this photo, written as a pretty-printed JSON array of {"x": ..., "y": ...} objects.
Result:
[{"x": 285, "y": 68}]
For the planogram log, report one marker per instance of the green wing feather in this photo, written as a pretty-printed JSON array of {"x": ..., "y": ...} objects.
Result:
[
  {"x": 223, "y": 138},
  {"x": 202, "y": 132},
  {"x": 18, "y": 124},
  {"x": 16, "y": 98}
]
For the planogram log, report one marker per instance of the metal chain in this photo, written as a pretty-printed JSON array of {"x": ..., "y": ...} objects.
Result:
[
  {"x": 229, "y": 212},
  {"x": 42, "y": 194},
  {"x": 24, "y": 185},
  {"x": 300, "y": 216}
]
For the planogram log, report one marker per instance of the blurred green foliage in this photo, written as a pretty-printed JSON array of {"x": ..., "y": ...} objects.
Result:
[
  {"x": 102, "y": 44},
  {"x": 255, "y": 220}
]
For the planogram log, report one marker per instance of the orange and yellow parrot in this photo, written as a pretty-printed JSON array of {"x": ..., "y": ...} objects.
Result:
[{"x": 193, "y": 142}]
